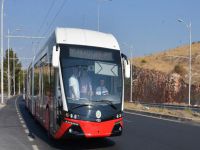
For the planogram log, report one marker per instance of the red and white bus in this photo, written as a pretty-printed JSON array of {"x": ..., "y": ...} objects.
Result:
[{"x": 55, "y": 96}]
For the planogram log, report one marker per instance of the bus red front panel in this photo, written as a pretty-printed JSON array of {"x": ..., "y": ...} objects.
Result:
[{"x": 90, "y": 129}]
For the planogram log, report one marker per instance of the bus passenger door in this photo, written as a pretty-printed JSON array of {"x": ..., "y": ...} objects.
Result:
[{"x": 57, "y": 101}]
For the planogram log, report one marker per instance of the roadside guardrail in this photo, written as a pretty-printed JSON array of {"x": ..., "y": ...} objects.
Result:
[{"x": 171, "y": 106}]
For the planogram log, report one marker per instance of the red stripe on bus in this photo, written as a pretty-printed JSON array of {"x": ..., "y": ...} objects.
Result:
[{"x": 64, "y": 126}]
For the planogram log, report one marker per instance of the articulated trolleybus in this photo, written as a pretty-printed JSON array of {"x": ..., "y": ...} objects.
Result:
[{"x": 75, "y": 84}]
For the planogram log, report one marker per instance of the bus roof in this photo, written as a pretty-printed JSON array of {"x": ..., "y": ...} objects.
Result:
[{"x": 86, "y": 37}]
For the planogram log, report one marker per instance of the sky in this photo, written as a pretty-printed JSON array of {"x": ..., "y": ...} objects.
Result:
[{"x": 142, "y": 26}]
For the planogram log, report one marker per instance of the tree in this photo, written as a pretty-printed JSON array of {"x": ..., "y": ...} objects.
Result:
[{"x": 15, "y": 69}]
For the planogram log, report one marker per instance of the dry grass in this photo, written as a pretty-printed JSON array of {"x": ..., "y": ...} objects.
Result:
[
  {"x": 177, "y": 113},
  {"x": 166, "y": 60}
]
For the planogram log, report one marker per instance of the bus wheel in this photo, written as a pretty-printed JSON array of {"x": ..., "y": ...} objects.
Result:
[
  {"x": 47, "y": 124},
  {"x": 47, "y": 119}
]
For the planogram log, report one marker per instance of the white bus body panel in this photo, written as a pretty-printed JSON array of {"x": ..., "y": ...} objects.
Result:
[
  {"x": 86, "y": 38},
  {"x": 74, "y": 36}
]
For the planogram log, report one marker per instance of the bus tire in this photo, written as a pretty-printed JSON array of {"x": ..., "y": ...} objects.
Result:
[{"x": 47, "y": 123}]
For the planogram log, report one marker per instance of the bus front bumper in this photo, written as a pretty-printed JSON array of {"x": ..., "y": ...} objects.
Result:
[{"x": 77, "y": 128}]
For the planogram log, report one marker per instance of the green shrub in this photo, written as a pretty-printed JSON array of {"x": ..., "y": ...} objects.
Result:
[
  {"x": 193, "y": 42},
  {"x": 179, "y": 69},
  {"x": 143, "y": 61}
]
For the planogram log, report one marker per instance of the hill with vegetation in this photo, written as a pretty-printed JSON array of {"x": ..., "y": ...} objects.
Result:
[{"x": 174, "y": 60}]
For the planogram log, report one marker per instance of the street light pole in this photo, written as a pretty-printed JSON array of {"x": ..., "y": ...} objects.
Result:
[
  {"x": 98, "y": 13},
  {"x": 189, "y": 26},
  {"x": 23, "y": 85},
  {"x": 190, "y": 68},
  {"x": 130, "y": 48},
  {"x": 13, "y": 73},
  {"x": 23, "y": 37},
  {"x": 2, "y": 7},
  {"x": 131, "y": 88},
  {"x": 14, "y": 59},
  {"x": 8, "y": 65},
  {"x": 9, "y": 60},
  {"x": 19, "y": 84}
]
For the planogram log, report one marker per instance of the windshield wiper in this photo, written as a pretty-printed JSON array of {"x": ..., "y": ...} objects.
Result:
[
  {"x": 82, "y": 105},
  {"x": 110, "y": 103}
]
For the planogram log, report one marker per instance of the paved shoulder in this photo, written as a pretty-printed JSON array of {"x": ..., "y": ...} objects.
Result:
[{"x": 12, "y": 135}]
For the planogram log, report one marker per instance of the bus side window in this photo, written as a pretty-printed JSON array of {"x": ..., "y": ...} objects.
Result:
[
  {"x": 58, "y": 99},
  {"x": 58, "y": 90}
]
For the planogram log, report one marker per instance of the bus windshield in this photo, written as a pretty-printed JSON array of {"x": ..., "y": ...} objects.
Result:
[{"x": 91, "y": 75}]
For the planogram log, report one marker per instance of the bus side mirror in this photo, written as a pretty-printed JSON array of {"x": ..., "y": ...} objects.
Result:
[
  {"x": 127, "y": 68},
  {"x": 55, "y": 56}
]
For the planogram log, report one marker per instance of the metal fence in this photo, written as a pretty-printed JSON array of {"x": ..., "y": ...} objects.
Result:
[{"x": 172, "y": 106}]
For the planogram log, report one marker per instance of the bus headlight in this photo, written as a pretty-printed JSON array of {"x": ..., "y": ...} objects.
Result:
[
  {"x": 119, "y": 115},
  {"x": 71, "y": 116},
  {"x": 75, "y": 116}
]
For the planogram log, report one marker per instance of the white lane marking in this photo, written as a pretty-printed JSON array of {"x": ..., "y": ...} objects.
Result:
[
  {"x": 132, "y": 113},
  {"x": 35, "y": 147},
  {"x": 16, "y": 103},
  {"x": 18, "y": 112},
  {"x": 26, "y": 131},
  {"x": 24, "y": 126},
  {"x": 30, "y": 139}
]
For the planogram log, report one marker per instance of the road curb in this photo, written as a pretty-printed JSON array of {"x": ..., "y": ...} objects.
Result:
[
  {"x": 6, "y": 100},
  {"x": 186, "y": 120},
  {"x": 2, "y": 106}
]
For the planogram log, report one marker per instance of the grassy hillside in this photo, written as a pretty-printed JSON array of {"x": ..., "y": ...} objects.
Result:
[{"x": 174, "y": 59}]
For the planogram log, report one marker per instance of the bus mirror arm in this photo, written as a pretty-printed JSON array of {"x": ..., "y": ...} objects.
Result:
[
  {"x": 127, "y": 66},
  {"x": 124, "y": 57},
  {"x": 55, "y": 56}
]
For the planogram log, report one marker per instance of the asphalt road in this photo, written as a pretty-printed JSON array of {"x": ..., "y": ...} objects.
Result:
[{"x": 19, "y": 131}]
